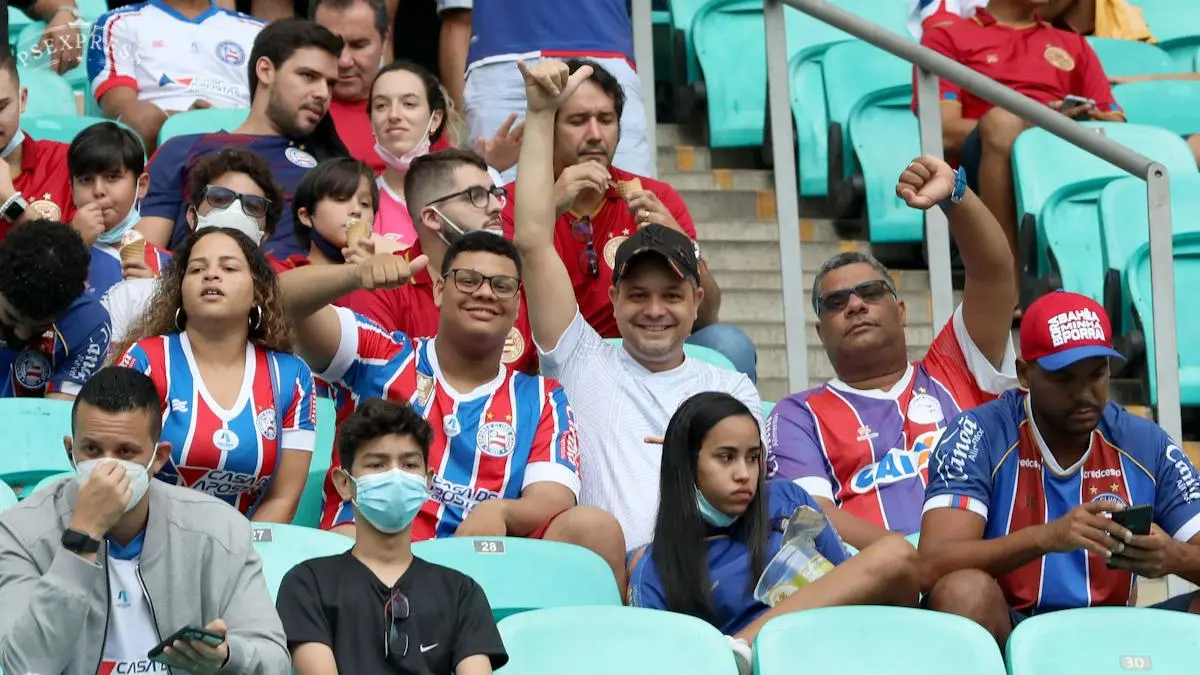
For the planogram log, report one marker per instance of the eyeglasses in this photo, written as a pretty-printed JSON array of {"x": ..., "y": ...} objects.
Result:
[
  {"x": 395, "y": 640},
  {"x": 221, "y": 198},
  {"x": 588, "y": 261},
  {"x": 478, "y": 194},
  {"x": 469, "y": 281},
  {"x": 869, "y": 291}
]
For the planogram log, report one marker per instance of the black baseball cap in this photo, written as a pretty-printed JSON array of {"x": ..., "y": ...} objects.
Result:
[{"x": 674, "y": 246}]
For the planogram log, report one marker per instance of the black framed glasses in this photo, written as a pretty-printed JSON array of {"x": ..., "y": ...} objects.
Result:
[
  {"x": 469, "y": 281},
  {"x": 581, "y": 228},
  {"x": 221, "y": 198},
  {"x": 868, "y": 291},
  {"x": 395, "y": 640},
  {"x": 478, "y": 195}
]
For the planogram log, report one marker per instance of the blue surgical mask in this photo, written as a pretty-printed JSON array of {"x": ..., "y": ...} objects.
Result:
[
  {"x": 13, "y": 143},
  {"x": 390, "y": 500},
  {"x": 711, "y": 514},
  {"x": 113, "y": 235}
]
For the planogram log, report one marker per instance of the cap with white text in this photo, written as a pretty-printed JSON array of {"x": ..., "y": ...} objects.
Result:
[{"x": 1062, "y": 328}]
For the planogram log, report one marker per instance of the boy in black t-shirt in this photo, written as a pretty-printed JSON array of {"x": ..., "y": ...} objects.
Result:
[{"x": 376, "y": 608}]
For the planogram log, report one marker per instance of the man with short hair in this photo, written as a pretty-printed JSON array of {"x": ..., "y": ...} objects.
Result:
[
  {"x": 293, "y": 70},
  {"x": 506, "y": 451},
  {"x": 53, "y": 335},
  {"x": 149, "y": 60},
  {"x": 364, "y": 27},
  {"x": 1023, "y": 514},
  {"x": 623, "y": 394},
  {"x": 98, "y": 569},
  {"x": 598, "y": 206},
  {"x": 330, "y": 606},
  {"x": 859, "y": 444}
]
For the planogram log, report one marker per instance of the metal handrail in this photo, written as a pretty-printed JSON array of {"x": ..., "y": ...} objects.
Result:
[{"x": 932, "y": 65}]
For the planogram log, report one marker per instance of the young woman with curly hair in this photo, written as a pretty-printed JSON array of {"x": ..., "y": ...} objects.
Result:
[{"x": 238, "y": 408}]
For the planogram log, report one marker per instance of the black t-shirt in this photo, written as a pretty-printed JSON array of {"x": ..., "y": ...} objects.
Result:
[{"x": 339, "y": 602}]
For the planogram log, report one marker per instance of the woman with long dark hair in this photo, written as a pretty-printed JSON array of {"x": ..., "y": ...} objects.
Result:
[
  {"x": 720, "y": 523},
  {"x": 238, "y": 408}
]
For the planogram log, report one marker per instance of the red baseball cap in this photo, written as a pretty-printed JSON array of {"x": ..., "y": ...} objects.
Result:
[{"x": 1062, "y": 328}]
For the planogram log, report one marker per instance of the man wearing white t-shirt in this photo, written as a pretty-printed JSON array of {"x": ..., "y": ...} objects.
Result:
[
  {"x": 621, "y": 394},
  {"x": 101, "y": 567}
]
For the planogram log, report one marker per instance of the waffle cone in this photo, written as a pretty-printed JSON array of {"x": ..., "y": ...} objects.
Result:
[
  {"x": 134, "y": 251},
  {"x": 625, "y": 187},
  {"x": 357, "y": 230}
]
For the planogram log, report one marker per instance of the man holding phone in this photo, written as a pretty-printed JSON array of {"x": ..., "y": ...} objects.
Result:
[
  {"x": 1053, "y": 497},
  {"x": 97, "y": 569}
]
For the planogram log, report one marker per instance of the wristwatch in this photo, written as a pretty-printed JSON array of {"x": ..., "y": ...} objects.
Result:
[
  {"x": 70, "y": 9},
  {"x": 959, "y": 191},
  {"x": 13, "y": 207},
  {"x": 74, "y": 540}
]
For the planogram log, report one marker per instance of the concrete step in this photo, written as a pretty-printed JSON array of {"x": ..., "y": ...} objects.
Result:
[
  {"x": 697, "y": 157},
  {"x": 720, "y": 232},
  {"x": 670, "y": 135},
  {"x": 772, "y": 388},
  {"x": 720, "y": 179},
  {"x": 764, "y": 256},
  {"x": 730, "y": 204}
]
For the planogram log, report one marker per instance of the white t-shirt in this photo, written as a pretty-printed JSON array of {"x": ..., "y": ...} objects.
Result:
[
  {"x": 618, "y": 403},
  {"x": 171, "y": 60},
  {"x": 126, "y": 302},
  {"x": 131, "y": 630}
]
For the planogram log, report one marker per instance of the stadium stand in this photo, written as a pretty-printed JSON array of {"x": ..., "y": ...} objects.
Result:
[
  {"x": 204, "y": 121},
  {"x": 34, "y": 431},
  {"x": 1163, "y": 641}
]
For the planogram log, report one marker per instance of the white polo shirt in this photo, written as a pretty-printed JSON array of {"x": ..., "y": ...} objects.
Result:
[
  {"x": 171, "y": 60},
  {"x": 618, "y": 403}
]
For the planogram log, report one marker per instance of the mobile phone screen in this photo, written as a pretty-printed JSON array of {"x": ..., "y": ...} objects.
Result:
[
  {"x": 1136, "y": 519},
  {"x": 186, "y": 633}
]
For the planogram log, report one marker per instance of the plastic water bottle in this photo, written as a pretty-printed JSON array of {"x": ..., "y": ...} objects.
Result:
[{"x": 798, "y": 562}]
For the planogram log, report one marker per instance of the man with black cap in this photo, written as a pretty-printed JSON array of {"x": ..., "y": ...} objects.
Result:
[
  {"x": 1052, "y": 497},
  {"x": 625, "y": 394}
]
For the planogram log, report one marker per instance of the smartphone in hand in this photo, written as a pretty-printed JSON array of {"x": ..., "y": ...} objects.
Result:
[{"x": 189, "y": 633}]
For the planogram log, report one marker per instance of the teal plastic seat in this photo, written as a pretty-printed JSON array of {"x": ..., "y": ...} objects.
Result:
[
  {"x": 33, "y": 440},
  {"x": 698, "y": 352},
  {"x": 48, "y": 481},
  {"x": 1125, "y": 229},
  {"x": 1176, "y": 27},
  {"x": 900, "y": 644},
  {"x": 204, "y": 121},
  {"x": 767, "y": 407},
  {"x": 308, "y": 512},
  {"x": 1147, "y": 103},
  {"x": 1058, "y": 188},
  {"x": 59, "y": 128},
  {"x": 8, "y": 498},
  {"x": 49, "y": 94},
  {"x": 519, "y": 575},
  {"x": 1105, "y": 641},
  {"x": 282, "y": 547},
  {"x": 17, "y": 21},
  {"x": 31, "y": 35},
  {"x": 683, "y": 12},
  {"x": 1123, "y": 58},
  {"x": 607, "y": 640}
]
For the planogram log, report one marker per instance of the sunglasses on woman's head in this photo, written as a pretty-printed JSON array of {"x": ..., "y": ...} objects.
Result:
[{"x": 222, "y": 198}]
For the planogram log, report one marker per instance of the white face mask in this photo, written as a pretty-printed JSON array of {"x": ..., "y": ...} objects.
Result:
[
  {"x": 234, "y": 218},
  {"x": 139, "y": 476}
]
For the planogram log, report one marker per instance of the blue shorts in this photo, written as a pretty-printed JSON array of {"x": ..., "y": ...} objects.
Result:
[{"x": 1179, "y": 603}]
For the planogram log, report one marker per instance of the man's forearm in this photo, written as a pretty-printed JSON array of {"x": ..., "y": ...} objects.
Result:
[
  {"x": 454, "y": 43},
  {"x": 853, "y": 530},
  {"x": 1188, "y": 564},
  {"x": 994, "y": 556},
  {"x": 534, "y": 215},
  {"x": 981, "y": 241},
  {"x": 45, "y": 10},
  {"x": 308, "y": 289}
]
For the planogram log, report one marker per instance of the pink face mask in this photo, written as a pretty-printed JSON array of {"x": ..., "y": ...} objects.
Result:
[{"x": 402, "y": 162}]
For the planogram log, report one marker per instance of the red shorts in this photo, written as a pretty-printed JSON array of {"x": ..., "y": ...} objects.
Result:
[{"x": 540, "y": 531}]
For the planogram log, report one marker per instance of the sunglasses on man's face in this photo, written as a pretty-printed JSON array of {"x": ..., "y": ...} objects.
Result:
[
  {"x": 869, "y": 292},
  {"x": 221, "y": 198}
]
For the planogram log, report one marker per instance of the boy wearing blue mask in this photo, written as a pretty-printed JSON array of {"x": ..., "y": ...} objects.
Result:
[
  {"x": 433, "y": 620},
  {"x": 108, "y": 182}
]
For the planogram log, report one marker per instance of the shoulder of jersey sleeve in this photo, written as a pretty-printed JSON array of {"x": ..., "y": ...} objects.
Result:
[
  {"x": 84, "y": 316},
  {"x": 795, "y": 404},
  {"x": 176, "y": 149}
]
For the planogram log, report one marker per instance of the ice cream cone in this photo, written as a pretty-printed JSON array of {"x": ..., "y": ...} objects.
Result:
[
  {"x": 133, "y": 247},
  {"x": 625, "y": 187},
  {"x": 357, "y": 230}
]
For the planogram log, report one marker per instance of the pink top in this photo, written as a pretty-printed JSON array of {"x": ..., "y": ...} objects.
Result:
[{"x": 392, "y": 219}]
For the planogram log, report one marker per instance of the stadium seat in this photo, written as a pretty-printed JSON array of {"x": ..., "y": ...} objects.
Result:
[
  {"x": 1105, "y": 641},
  {"x": 1136, "y": 287},
  {"x": 61, "y": 128},
  {"x": 17, "y": 21},
  {"x": 7, "y": 497},
  {"x": 49, "y": 94},
  {"x": 767, "y": 407},
  {"x": 519, "y": 574},
  {"x": 1058, "y": 186},
  {"x": 1144, "y": 104},
  {"x": 684, "y": 68},
  {"x": 698, "y": 352},
  {"x": 33, "y": 444},
  {"x": 1125, "y": 228},
  {"x": 282, "y": 547},
  {"x": 605, "y": 640},
  {"x": 1122, "y": 58},
  {"x": 899, "y": 643},
  {"x": 48, "y": 481},
  {"x": 31, "y": 35},
  {"x": 203, "y": 121},
  {"x": 308, "y": 513},
  {"x": 1175, "y": 24}
]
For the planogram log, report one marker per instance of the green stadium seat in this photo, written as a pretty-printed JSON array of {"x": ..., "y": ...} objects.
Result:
[
  {"x": 606, "y": 640},
  {"x": 1125, "y": 228},
  {"x": 17, "y": 21},
  {"x": 31, "y": 35},
  {"x": 1175, "y": 24},
  {"x": 1123, "y": 58},
  {"x": 1105, "y": 641},
  {"x": 900, "y": 643},
  {"x": 1058, "y": 186},
  {"x": 49, "y": 94},
  {"x": 698, "y": 352},
  {"x": 203, "y": 121},
  {"x": 683, "y": 66},
  {"x": 8, "y": 498},
  {"x": 61, "y": 128},
  {"x": 308, "y": 513},
  {"x": 48, "y": 481},
  {"x": 767, "y": 407},
  {"x": 282, "y": 547},
  {"x": 1135, "y": 283},
  {"x": 33, "y": 444},
  {"x": 519, "y": 575},
  {"x": 1146, "y": 103}
]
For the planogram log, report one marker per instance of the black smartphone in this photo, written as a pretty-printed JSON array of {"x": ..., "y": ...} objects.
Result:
[
  {"x": 186, "y": 633},
  {"x": 1076, "y": 101},
  {"x": 1136, "y": 519}
]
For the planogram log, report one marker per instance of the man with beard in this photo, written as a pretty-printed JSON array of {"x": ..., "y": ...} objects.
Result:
[
  {"x": 293, "y": 70},
  {"x": 1023, "y": 511},
  {"x": 859, "y": 444},
  {"x": 53, "y": 335}
]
